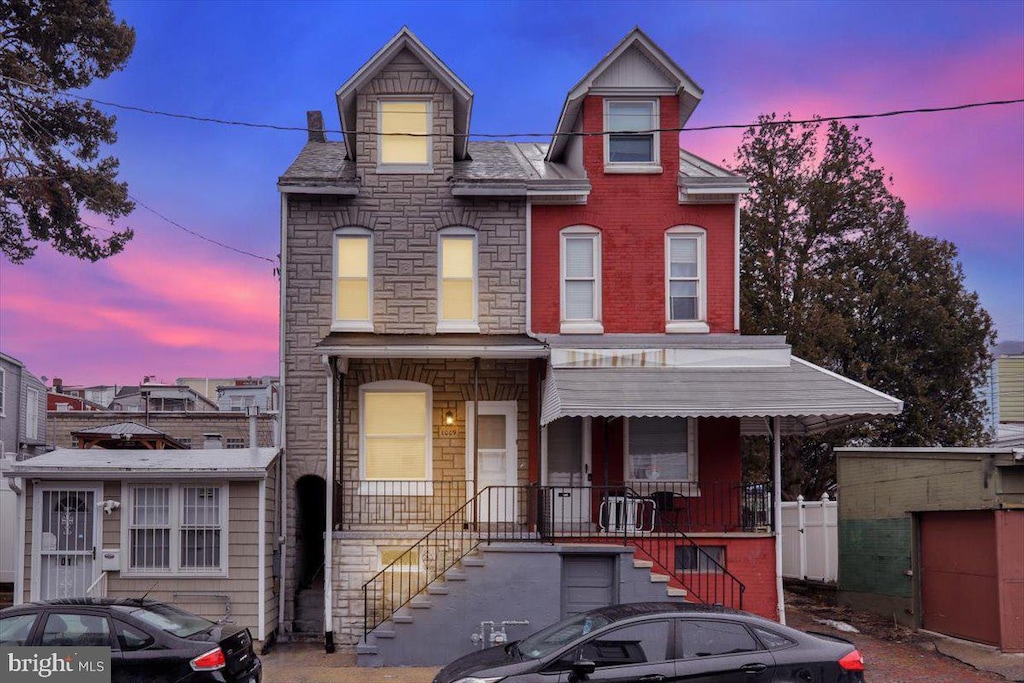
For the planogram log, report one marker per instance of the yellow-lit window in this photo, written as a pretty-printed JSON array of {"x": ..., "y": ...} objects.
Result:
[
  {"x": 403, "y": 127},
  {"x": 458, "y": 279},
  {"x": 352, "y": 292},
  {"x": 395, "y": 425}
]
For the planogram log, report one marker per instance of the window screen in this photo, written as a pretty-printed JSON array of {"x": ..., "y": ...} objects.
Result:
[
  {"x": 395, "y": 425},
  {"x": 353, "y": 284},
  {"x": 403, "y": 128},
  {"x": 631, "y": 147},
  {"x": 457, "y": 278},
  {"x": 580, "y": 278},
  {"x": 658, "y": 448}
]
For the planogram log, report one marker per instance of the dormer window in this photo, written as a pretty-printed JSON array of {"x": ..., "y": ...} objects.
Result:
[
  {"x": 631, "y": 141},
  {"x": 404, "y": 146}
]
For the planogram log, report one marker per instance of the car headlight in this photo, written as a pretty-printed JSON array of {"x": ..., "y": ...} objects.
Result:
[{"x": 475, "y": 679}]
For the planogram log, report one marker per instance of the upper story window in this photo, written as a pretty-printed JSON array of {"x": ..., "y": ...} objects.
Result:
[
  {"x": 581, "y": 280},
  {"x": 457, "y": 281},
  {"x": 395, "y": 429},
  {"x": 685, "y": 280},
  {"x": 353, "y": 278},
  {"x": 31, "y": 414},
  {"x": 632, "y": 144},
  {"x": 404, "y": 146}
]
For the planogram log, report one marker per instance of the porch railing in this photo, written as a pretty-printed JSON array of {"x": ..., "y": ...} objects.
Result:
[
  {"x": 601, "y": 514},
  {"x": 709, "y": 506}
]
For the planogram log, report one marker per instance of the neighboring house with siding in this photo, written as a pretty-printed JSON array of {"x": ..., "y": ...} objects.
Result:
[
  {"x": 191, "y": 429},
  {"x": 195, "y": 528},
  {"x": 931, "y": 537},
  {"x": 22, "y": 409},
  {"x": 532, "y": 350}
]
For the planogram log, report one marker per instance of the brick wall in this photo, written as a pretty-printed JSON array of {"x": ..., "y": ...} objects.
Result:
[
  {"x": 230, "y": 425},
  {"x": 633, "y": 212}
]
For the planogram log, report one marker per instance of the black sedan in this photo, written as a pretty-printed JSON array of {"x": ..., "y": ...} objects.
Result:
[
  {"x": 663, "y": 642},
  {"x": 150, "y": 642}
]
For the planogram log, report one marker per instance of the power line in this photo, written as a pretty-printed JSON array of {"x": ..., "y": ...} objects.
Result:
[
  {"x": 680, "y": 129},
  {"x": 39, "y": 128}
]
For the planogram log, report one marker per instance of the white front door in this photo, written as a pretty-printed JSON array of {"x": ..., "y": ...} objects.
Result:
[
  {"x": 498, "y": 458},
  {"x": 565, "y": 444},
  {"x": 65, "y": 536}
]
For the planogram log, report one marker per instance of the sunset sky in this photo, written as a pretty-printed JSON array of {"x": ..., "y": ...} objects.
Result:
[{"x": 173, "y": 305}]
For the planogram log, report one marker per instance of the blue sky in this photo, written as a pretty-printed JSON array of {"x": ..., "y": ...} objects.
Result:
[{"x": 172, "y": 305}]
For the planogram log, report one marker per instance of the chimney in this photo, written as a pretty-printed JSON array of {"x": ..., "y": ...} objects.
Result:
[
  {"x": 58, "y": 384},
  {"x": 315, "y": 124}
]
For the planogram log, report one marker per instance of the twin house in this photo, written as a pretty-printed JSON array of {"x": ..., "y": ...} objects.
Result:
[{"x": 514, "y": 383}]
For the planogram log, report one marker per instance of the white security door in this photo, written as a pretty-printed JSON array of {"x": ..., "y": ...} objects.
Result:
[
  {"x": 566, "y": 446},
  {"x": 65, "y": 539},
  {"x": 497, "y": 458}
]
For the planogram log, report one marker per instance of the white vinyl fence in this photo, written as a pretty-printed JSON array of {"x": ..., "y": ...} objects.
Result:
[
  {"x": 810, "y": 539},
  {"x": 8, "y": 532}
]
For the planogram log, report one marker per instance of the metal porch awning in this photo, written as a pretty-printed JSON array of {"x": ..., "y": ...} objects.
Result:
[{"x": 807, "y": 398}]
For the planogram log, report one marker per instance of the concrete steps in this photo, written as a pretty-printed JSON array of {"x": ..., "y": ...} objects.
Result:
[{"x": 434, "y": 620}]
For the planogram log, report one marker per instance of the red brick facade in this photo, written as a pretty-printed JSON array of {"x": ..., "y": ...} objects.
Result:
[{"x": 632, "y": 211}]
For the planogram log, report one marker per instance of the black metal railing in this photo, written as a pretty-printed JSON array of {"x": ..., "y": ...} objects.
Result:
[
  {"x": 599, "y": 514},
  {"x": 709, "y": 506},
  {"x": 415, "y": 504}
]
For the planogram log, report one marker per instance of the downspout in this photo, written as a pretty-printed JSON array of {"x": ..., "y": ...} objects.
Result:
[
  {"x": 283, "y": 489},
  {"x": 261, "y": 549},
  {"x": 329, "y": 648},
  {"x": 736, "y": 265},
  {"x": 777, "y": 512},
  {"x": 19, "y": 524},
  {"x": 476, "y": 437},
  {"x": 529, "y": 258}
]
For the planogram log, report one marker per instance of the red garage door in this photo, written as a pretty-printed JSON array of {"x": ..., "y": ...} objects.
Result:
[{"x": 959, "y": 583}]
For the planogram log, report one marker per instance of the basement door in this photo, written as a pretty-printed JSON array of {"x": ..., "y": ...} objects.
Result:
[
  {"x": 588, "y": 582},
  {"x": 65, "y": 535},
  {"x": 959, "y": 577},
  {"x": 498, "y": 458}
]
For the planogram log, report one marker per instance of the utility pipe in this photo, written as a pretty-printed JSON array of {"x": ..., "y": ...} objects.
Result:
[
  {"x": 329, "y": 648},
  {"x": 777, "y": 513}
]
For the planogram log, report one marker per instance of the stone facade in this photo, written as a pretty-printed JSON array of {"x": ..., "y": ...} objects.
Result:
[{"x": 404, "y": 212}]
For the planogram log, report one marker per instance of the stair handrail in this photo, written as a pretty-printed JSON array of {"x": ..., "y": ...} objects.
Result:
[
  {"x": 403, "y": 560},
  {"x": 729, "y": 580}
]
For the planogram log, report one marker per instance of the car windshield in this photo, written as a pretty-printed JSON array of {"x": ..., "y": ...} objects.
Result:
[
  {"x": 172, "y": 620},
  {"x": 546, "y": 641}
]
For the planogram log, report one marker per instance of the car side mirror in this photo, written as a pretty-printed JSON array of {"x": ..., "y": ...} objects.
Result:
[{"x": 581, "y": 670}]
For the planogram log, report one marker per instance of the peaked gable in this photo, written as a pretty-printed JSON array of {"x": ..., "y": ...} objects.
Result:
[
  {"x": 405, "y": 47},
  {"x": 635, "y": 64}
]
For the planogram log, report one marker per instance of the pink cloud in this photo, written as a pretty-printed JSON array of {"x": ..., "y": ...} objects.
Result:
[{"x": 202, "y": 313}]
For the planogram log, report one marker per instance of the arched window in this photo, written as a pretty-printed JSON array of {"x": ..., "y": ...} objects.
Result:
[
  {"x": 353, "y": 280},
  {"x": 581, "y": 280},
  {"x": 686, "y": 286},
  {"x": 395, "y": 436},
  {"x": 457, "y": 280}
]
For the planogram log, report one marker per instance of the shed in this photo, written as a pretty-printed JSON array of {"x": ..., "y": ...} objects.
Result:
[
  {"x": 196, "y": 528},
  {"x": 934, "y": 538}
]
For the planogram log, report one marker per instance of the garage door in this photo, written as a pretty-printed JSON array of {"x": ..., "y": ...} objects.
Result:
[
  {"x": 588, "y": 582},
  {"x": 959, "y": 581}
]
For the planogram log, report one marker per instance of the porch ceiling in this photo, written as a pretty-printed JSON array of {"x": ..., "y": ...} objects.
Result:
[
  {"x": 368, "y": 345},
  {"x": 807, "y": 398}
]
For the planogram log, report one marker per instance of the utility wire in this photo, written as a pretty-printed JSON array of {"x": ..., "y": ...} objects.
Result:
[
  {"x": 683, "y": 129},
  {"x": 40, "y": 129}
]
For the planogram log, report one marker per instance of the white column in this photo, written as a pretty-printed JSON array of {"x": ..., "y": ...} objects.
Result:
[
  {"x": 261, "y": 549},
  {"x": 777, "y": 494},
  {"x": 801, "y": 534}
]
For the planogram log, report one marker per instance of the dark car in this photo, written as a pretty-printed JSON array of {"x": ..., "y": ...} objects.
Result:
[
  {"x": 663, "y": 642},
  {"x": 149, "y": 641}
]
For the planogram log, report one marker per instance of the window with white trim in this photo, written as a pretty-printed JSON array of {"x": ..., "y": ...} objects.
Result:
[
  {"x": 457, "y": 281},
  {"x": 353, "y": 280},
  {"x": 685, "y": 280},
  {"x": 661, "y": 449},
  {"x": 395, "y": 420},
  {"x": 177, "y": 529},
  {"x": 631, "y": 139},
  {"x": 581, "y": 280},
  {"x": 403, "y": 141},
  {"x": 31, "y": 413}
]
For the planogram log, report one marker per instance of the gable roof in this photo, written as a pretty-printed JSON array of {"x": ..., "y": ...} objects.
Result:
[
  {"x": 672, "y": 74},
  {"x": 405, "y": 40}
]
